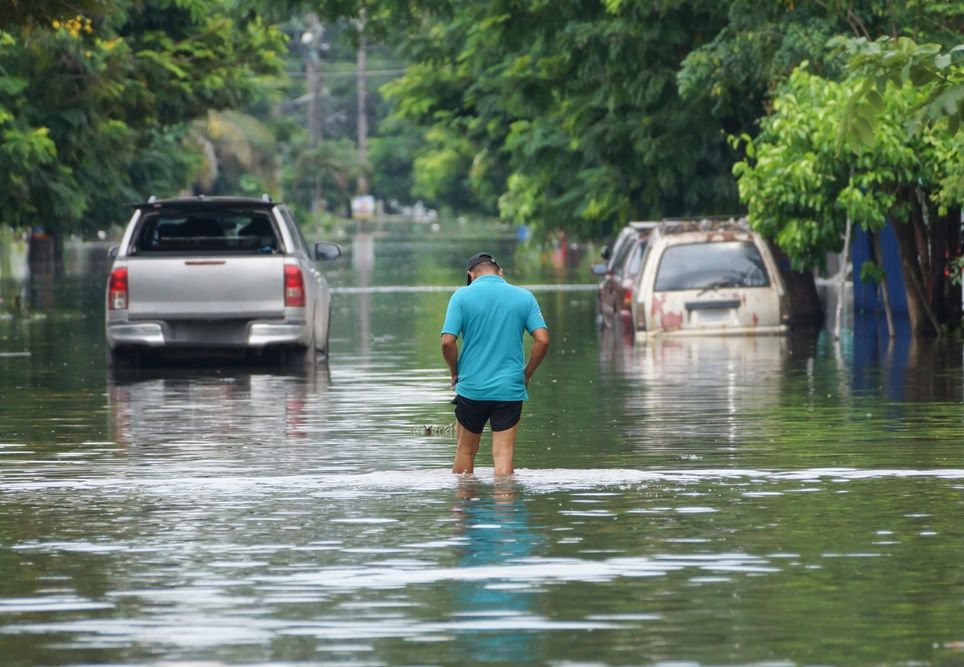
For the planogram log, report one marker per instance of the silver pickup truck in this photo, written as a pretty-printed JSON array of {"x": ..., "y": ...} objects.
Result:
[{"x": 219, "y": 276}]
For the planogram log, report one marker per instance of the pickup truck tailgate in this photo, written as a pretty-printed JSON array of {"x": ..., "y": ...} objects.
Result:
[{"x": 206, "y": 287}]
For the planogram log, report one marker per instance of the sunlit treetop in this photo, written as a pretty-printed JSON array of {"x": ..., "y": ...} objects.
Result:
[{"x": 14, "y": 13}]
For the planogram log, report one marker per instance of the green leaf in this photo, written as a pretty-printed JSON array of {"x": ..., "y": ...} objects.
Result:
[
  {"x": 12, "y": 85},
  {"x": 949, "y": 102},
  {"x": 920, "y": 75},
  {"x": 875, "y": 100},
  {"x": 863, "y": 127},
  {"x": 872, "y": 273}
]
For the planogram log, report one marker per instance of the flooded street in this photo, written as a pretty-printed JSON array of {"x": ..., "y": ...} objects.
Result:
[{"x": 771, "y": 501}]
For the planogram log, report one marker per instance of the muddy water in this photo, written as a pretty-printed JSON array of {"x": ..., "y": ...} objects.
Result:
[{"x": 700, "y": 502}]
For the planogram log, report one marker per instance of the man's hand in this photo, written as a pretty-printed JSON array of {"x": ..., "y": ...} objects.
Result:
[{"x": 450, "y": 352}]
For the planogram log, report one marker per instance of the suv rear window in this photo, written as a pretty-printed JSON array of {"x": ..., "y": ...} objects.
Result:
[
  {"x": 711, "y": 265},
  {"x": 222, "y": 232}
]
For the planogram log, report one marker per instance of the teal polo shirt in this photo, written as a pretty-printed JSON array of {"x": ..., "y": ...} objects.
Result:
[{"x": 490, "y": 315}]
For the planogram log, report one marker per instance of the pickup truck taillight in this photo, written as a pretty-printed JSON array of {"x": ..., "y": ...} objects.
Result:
[
  {"x": 294, "y": 287},
  {"x": 117, "y": 290}
]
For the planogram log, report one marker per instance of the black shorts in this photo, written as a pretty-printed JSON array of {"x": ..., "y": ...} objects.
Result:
[{"x": 501, "y": 415}]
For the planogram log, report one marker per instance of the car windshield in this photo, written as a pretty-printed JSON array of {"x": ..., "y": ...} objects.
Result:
[
  {"x": 710, "y": 266},
  {"x": 222, "y": 232}
]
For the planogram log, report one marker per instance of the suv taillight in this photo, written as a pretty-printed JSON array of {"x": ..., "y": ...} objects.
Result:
[
  {"x": 294, "y": 287},
  {"x": 117, "y": 290},
  {"x": 627, "y": 297}
]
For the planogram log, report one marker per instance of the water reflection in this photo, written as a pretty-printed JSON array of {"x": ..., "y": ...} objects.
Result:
[
  {"x": 494, "y": 526},
  {"x": 904, "y": 367},
  {"x": 693, "y": 501},
  {"x": 363, "y": 264},
  {"x": 171, "y": 407},
  {"x": 688, "y": 391}
]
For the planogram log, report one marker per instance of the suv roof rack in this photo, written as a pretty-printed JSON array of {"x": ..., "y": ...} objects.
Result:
[{"x": 722, "y": 223}]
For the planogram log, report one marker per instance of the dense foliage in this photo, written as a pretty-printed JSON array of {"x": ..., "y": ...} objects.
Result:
[
  {"x": 565, "y": 114},
  {"x": 850, "y": 150},
  {"x": 96, "y": 110}
]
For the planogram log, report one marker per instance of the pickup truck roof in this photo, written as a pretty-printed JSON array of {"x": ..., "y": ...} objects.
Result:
[{"x": 203, "y": 202}]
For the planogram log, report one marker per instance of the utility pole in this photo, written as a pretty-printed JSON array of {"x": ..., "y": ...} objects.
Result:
[
  {"x": 362, "y": 120},
  {"x": 311, "y": 39}
]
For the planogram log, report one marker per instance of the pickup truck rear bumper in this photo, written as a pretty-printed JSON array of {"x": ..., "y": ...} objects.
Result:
[{"x": 207, "y": 334}]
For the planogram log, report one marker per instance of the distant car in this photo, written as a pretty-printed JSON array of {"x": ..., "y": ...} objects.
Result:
[
  {"x": 217, "y": 275},
  {"x": 708, "y": 277},
  {"x": 618, "y": 276}
]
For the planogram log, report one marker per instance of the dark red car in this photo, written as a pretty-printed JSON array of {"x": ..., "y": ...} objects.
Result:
[{"x": 618, "y": 274}]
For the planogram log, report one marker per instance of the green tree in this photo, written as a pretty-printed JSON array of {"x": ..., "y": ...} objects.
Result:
[
  {"x": 238, "y": 154},
  {"x": 21, "y": 12},
  {"x": 584, "y": 113},
  {"x": 96, "y": 111},
  {"x": 568, "y": 112},
  {"x": 800, "y": 187},
  {"x": 936, "y": 72},
  {"x": 390, "y": 153},
  {"x": 737, "y": 73}
]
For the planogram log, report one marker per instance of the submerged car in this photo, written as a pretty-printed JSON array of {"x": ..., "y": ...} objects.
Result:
[
  {"x": 709, "y": 277},
  {"x": 618, "y": 276},
  {"x": 217, "y": 276}
]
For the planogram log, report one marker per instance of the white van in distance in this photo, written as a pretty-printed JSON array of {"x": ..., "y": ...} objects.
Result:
[{"x": 708, "y": 277}]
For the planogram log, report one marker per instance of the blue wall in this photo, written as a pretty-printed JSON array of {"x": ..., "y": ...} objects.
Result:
[{"x": 866, "y": 297}]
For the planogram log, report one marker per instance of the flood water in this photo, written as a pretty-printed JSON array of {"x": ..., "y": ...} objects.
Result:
[{"x": 777, "y": 501}]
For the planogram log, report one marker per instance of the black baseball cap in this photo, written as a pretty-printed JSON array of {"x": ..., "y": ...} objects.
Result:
[{"x": 476, "y": 259}]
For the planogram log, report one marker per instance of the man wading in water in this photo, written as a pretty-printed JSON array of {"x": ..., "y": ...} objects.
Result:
[{"x": 490, "y": 376}]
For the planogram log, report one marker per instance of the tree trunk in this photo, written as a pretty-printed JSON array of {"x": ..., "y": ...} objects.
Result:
[
  {"x": 844, "y": 263},
  {"x": 945, "y": 245},
  {"x": 805, "y": 307},
  {"x": 45, "y": 252},
  {"x": 922, "y": 319},
  {"x": 5, "y": 263},
  {"x": 950, "y": 293},
  {"x": 884, "y": 291}
]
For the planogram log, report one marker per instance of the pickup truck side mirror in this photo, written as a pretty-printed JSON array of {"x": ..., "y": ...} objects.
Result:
[
  {"x": 113, "y": 251},
  {"x": 325, "y": 251},
  {"x": 606, "y": 251},
  {"x": 599, "y": 270}
]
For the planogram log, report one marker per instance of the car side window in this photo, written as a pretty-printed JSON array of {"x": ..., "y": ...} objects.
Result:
[
  {"x": 619, "y": 261},
  {"x": 295, "y": 231},
  {"x": 636, "y": 260}
]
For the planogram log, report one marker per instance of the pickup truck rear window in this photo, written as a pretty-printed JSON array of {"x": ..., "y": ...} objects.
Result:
[
  {"x": 243, "y": 233},
  {"x": 711, "y": 266}
]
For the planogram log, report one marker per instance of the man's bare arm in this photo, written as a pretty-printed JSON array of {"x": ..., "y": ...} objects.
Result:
[
  {"x": 450, "y": 352},
  {"x": 540, "y": 347}
]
